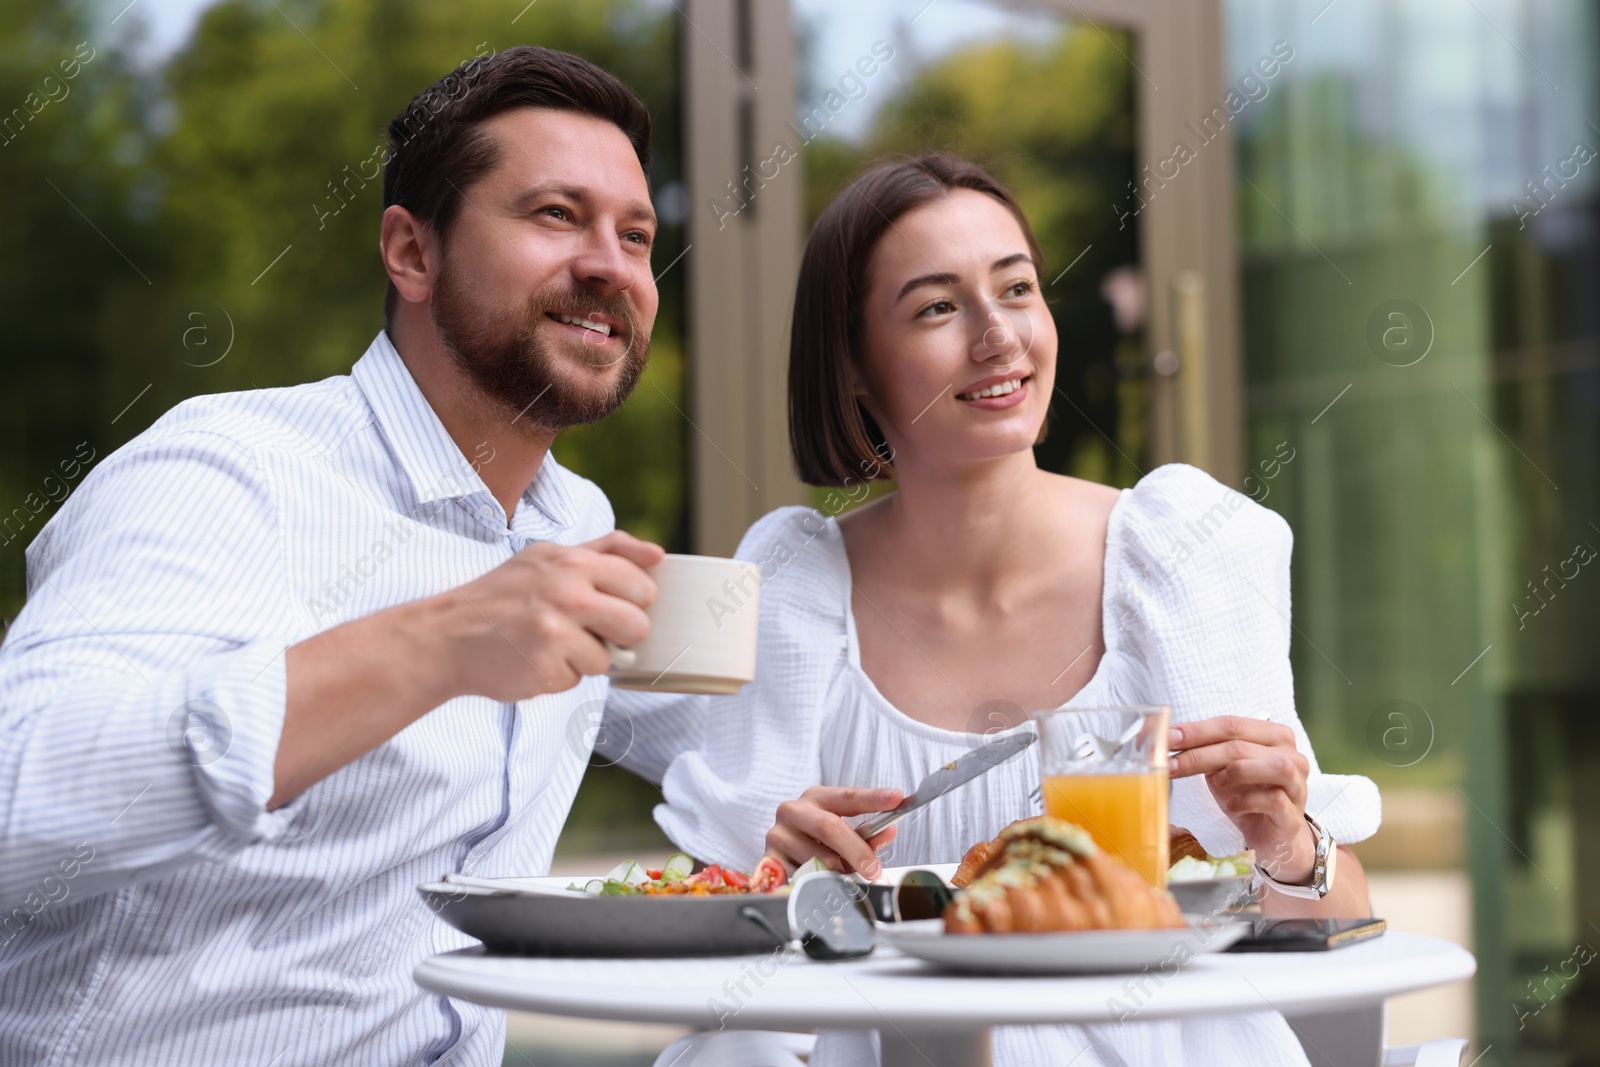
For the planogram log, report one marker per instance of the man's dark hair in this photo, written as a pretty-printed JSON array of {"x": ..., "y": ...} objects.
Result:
[
  {"x": 833, "y": 437},
  {"x": 437, "y": 145}
]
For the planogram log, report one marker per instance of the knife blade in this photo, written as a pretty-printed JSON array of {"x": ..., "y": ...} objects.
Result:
[{"x": 942, "y": 780}]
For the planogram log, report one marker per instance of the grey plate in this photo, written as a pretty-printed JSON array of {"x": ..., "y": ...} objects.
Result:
[
  {"x": 539, "y": 917},
  {"x": 1211, "y": 896},
  {"x": 1080, "y": 952}
]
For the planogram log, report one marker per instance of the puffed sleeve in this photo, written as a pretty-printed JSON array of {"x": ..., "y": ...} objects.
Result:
[
  {"x": 1200, "y": 596},
  {"x": 761, "y": 747}
]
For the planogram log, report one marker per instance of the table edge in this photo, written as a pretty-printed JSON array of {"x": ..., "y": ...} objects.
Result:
[{"x": 437, "y": 974}]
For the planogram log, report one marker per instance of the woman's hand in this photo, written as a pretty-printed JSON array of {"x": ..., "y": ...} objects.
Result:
[
  {"x": 814, "y": 826},
  {"x": 1258, "y": 778}
]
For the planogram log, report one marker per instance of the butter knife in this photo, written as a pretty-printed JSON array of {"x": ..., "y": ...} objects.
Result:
[{"x": 953, "y": 774}]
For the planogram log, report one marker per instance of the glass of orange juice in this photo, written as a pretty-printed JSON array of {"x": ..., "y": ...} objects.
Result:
[{"x": 1106, "y": 770}]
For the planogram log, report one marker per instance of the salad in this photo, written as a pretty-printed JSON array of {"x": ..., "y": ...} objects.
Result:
[
  {"x": 679, "y": 878},
  {"x": 1190, "y": 869}
]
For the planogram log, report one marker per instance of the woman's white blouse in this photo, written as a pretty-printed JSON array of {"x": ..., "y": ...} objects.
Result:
[{"x": 1196, "y": 616}]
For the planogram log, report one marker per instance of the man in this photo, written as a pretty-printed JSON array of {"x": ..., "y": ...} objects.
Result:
[{"x": 289, "y": 653}]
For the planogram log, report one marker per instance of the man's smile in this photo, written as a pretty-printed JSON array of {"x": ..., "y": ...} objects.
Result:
[{"x": 594, "y": 329}]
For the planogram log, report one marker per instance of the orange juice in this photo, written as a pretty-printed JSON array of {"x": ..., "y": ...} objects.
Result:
[{"x": 1126, "y": 814}]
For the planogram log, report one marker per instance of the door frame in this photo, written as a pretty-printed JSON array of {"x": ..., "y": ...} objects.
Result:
[{"x": 743, "y": 254}]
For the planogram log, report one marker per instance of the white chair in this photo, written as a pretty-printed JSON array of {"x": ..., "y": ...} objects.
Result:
[{"x": 1355, "y": 1038}]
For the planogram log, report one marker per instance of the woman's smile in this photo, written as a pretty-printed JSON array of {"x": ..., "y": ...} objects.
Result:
[{"x": 997, "y": 393}]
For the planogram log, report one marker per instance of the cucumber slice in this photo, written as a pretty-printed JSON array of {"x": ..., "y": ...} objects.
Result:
[
  {"x": 629, "y": 873},
  {"x": 679, "y": 866}
]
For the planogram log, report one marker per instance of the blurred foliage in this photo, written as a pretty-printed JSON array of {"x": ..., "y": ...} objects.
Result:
[
  {"x": 1053, "y": 120},
  {"x": 611, "y": 815},
  {"x": 214, "y": 204},
  {"x": 1308, "y": 153},
  {"x": 1382, "y": 559},
  {"x": 61, "y": 178}
]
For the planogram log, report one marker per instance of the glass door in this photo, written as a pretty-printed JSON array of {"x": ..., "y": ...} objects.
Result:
[{"x": 1418, "y": 201}]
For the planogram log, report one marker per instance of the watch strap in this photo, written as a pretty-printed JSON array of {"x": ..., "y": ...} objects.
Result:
[{"x": 1321, "y": 869}]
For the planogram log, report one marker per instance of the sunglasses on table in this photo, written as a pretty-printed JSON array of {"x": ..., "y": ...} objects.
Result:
[
  {"x": 917, "y": 895},
  {"x": 833, "y": 917}
]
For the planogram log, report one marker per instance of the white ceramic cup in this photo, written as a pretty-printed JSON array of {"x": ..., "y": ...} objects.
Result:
[{"x": 702, "y": 629}]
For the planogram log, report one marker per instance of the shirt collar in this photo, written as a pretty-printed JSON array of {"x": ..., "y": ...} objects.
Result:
[
  {"x": 549, "y": 493},
  {"x": 424, "y": 449}
]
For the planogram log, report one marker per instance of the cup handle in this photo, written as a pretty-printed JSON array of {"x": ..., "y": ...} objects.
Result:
[{"x": 622, "y": 657}]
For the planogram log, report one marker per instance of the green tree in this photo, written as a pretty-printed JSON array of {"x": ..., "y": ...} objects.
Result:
[
  {"x": 70, "y": 244},
  {"x": 237, "y": 236}
]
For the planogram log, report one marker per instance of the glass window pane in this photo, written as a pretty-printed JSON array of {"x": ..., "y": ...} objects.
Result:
[{"x": 1417, "y": 226}]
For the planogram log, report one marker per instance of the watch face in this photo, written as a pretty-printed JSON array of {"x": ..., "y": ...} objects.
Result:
[{"x": 1322, "y": 878}]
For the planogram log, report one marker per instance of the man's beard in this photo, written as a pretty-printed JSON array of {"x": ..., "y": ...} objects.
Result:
[{"x": 501, "y": 352}]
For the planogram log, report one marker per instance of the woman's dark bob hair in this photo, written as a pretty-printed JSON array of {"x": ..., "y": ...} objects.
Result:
[{"x": 835, "y": 442}]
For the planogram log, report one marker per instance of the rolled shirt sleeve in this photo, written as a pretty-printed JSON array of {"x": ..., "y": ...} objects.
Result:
[{"x": 142, "y": 688}]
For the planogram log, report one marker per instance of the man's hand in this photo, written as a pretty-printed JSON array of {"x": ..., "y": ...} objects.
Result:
[
  {"x": 1258, "y": 778},
  {"x": 538, "y": 622},
  {"x": 814, "y": 825},
  {"x": 535, "y": 624}
]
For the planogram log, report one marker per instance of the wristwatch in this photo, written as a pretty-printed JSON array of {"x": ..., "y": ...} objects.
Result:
[{"x": 1321, "y": 871}]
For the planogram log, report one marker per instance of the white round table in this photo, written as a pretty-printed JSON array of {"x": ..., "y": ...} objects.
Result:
[{"x": 928, "y": 1017}]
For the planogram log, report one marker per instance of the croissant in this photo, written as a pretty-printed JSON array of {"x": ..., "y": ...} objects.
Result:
[
  {"x": 1045, "y": 874},
  {"x": 979, "y": 856},
  {"x": 1183, "y": 844}
]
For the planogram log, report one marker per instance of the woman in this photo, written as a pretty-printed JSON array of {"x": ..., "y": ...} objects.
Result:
[{"x": 894, "y": 636}]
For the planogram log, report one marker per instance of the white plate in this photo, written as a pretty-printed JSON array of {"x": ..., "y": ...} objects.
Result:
[{"x": 1080, "y": 952}]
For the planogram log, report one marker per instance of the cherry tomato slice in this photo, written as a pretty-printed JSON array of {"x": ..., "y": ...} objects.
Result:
[{"x": 768, "y": 875}]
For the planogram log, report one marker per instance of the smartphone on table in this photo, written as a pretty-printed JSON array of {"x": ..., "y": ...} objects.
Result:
[{"x": 1307, "y": 935}]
